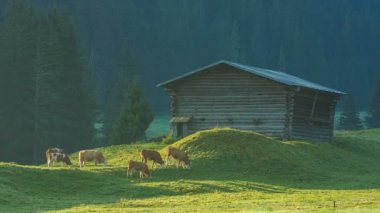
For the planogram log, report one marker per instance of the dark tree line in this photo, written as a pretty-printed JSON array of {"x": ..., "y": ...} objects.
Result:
[
  {"x": 45, "y": 95},
  {"x": 350, "y": 119},
  {"x": 373, "y": 118},
  {"x": 323, "y": 41}
]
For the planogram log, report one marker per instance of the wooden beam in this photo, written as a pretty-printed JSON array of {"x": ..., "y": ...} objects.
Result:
[{"x": 314, "y": 103}]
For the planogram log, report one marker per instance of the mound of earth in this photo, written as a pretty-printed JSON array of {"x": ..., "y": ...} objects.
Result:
[
  {"x": 223, "y": 149},
  {"x": 237, "y": 148}
]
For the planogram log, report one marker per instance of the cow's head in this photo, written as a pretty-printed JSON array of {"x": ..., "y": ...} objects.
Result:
[
  {"x": 187, "y": 163},
  {"x": 160, "y": 161},
  {"x": 66, "y": 160},
  {"x": 54, "y": 156}
]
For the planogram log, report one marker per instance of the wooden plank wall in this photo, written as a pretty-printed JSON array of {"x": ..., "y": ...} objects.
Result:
[
  {"x": 288, "y": 124},
  {"x": 317, "y": 124},
  {"x": 225, "y": 97}
]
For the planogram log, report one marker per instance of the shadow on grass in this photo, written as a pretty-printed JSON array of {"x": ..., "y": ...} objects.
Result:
[{"x": 42, "y": 189}]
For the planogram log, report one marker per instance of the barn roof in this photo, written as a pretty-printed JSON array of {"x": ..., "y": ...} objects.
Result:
[{"x": 276, "y": 76}]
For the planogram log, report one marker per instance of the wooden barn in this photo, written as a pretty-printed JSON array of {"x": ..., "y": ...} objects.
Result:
[{"x": 227, "y": 94}]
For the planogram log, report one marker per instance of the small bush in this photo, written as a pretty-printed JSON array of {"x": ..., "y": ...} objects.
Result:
[
  {"x": 157, "y": 139},
  {"x": 168, "y": 139}
]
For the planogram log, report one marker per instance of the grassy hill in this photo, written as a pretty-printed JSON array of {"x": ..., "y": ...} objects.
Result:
[{"x": 231, "y": 171}]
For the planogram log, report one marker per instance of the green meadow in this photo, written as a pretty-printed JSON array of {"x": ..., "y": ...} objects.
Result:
[{"x": 232, "y": 171}]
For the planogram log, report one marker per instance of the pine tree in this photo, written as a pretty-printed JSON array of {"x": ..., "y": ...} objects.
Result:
[
  {"x": 45, "y": 91},
  {"x": 46, "y": 69},
  {"x": 349, "y": 118},
  {"x": 17, "y": 57},
  {"x": 373, "y": 118},
  {"x": 74, "y": 123},
  {"x": 62, "y": 103},
  {"x": 116, "y": 93},
  {"x": 135, "y": 117}
]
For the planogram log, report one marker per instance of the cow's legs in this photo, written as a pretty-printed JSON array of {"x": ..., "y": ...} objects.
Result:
[
  {"x": 168, "y": 161},
  {"x": 129, "y": 172}
]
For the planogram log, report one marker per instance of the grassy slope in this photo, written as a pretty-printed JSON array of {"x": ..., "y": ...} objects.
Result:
[{"x": 231, "y": 171}]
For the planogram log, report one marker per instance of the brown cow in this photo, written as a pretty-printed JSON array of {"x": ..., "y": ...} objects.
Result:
[
  {"x": 138, "y": 166},
  {"x": 151, "y": 155},
  {"x": 49, "y": 153},
  {"x": 91, "y": 155},
  {"x": 179, "y": 155}
]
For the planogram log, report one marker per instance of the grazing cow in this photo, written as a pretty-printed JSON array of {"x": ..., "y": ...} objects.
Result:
[
  {"x": 91, "y": 155},
  {"x": 60, "y": 157},
  {"x": 179, "y": 155},
  {"x": 138, "y": 166},
  {"x": 151, "y": 155},
  {"x": 49, "y": 153}
]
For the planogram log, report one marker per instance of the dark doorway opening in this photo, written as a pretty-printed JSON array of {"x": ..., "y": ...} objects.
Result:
[{"x": 180, "y": 130}]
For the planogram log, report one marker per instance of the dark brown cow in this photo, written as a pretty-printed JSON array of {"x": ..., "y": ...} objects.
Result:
[
  {"x": 151, "y": 155},
  {"x": 138, "y": 166}
]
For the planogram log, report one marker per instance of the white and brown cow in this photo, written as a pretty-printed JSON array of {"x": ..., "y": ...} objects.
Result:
[
  {"x": 60, "y": 157},
  {"x": 91, "y": 155},
  {"x": 49, "y": 153}
]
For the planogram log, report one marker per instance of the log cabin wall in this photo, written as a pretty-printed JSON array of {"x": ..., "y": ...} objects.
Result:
[
  {"x": 224, "y": 96},
  {"x": 288, "y": 124},
  {"x": 313, "y": 116}
]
